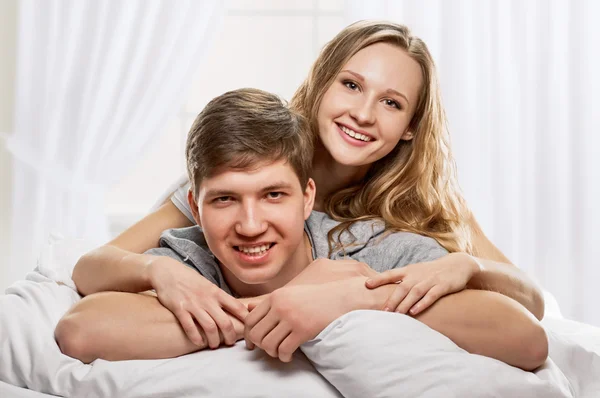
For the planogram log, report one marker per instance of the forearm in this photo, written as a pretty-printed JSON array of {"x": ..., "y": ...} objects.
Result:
[
  {"x": 122, "y": 326},
  {"x": 481, "y": 322},
  {"x": 109, "y": 268},
  {"x": 509, "y": 281}
]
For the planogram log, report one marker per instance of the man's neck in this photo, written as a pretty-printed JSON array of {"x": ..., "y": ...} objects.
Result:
[{"x": 297, "y": 262}]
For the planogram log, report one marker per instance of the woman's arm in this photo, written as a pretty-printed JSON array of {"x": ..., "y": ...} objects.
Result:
[
  {"x": 498, "y": 274},
  {"x": 119, "y": 265},
  {"x": 482, "y": 246}
]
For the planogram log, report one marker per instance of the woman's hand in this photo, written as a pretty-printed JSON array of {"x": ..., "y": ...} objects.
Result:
[
  {"x": 422, "y": 284},
  {"x": 196, "y": 302}
]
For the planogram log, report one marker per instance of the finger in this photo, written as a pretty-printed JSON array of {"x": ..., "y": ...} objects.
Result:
[
  {"x": 397, "y": 296},
  {"x": 257, "y": 314},
  {"x": 253, "y": 318},
  {"x": 289, "y": 346},
  {"x": 190, "y": 328},
  {"x": 252, "y": 306},
  {"x": 415, "y": 294},
  {"x": 433, "y": 295},
  {"x": 209, "y": 327},
  {"x": 234, "y": 306},
  {"x": 224, "y": 324},
  {"x": 391, "y": 276},
  {"x": 272, "y": 340},
  {"x": 262, "y": 329}
]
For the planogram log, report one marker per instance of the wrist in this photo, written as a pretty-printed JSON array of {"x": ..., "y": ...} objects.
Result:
[
  {"x": 363, "y": 298},
  {"x": 475, "y": 266},
  {"x": 150, "y": 266}
]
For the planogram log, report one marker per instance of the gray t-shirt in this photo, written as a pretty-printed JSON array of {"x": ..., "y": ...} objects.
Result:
[{"x": 370, "y": 244}]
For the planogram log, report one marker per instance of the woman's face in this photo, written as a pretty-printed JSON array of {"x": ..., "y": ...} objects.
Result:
[{"x": 368, "y": 108}]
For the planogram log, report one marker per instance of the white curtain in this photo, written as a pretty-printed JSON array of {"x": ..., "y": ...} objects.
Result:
[
  {"x": 97, "y": 80},
  {"x": 520, "y": 81}
]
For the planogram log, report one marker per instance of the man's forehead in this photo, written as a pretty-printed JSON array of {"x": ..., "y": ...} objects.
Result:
[{"x": 256, "y": 178}]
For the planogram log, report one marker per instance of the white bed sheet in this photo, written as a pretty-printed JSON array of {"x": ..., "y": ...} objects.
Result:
[
  {"x": 10, "y": 391},
  {"x": 29, "y": 357}
]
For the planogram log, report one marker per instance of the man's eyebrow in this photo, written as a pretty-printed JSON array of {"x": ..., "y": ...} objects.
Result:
[
  {"x": 388, "y": 91},
  {"x": 277, "y": 186},
  {"x": 219, "y": 192}
]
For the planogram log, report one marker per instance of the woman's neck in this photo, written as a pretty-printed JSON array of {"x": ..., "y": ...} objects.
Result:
[{"x": 331, "y": 176}]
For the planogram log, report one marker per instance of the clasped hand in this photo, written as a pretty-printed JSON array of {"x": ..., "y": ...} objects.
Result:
[
  {"x": 422, "y": 284},
  {"x": 199, "y": 305}
]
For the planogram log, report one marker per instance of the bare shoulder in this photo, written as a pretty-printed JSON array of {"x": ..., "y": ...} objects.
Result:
[{"x": 145, "y": 234}]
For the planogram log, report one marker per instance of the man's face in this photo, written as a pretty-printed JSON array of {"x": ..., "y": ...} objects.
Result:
[{"x": 253, "y": 220}]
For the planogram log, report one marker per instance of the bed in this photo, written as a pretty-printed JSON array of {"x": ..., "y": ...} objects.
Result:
[{"x": 355, "y": 356}]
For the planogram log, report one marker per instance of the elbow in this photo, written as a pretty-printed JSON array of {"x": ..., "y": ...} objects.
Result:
[
  {"x": 81, "y": 269},
  {"x": 539, "y": 304},
  {"x": 78, "y": 272},
  {"x": 73, "y": 340},
  {"x": 534, "y": 348}
]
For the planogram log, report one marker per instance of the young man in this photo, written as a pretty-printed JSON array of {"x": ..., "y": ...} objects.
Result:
[{"x": 257, "y": 243}]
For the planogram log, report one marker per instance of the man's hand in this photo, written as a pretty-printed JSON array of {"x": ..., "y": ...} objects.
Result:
[
  {"x": 295, "y": 314},
  {"x": 422, "y": 284},
  {"x": 196, "y": 302}
]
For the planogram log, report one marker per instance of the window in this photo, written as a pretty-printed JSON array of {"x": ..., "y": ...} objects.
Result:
[{"x": 263, "y": 44}]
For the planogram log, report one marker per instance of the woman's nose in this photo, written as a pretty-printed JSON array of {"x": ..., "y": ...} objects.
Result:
[{"x": 363, "y": 112}]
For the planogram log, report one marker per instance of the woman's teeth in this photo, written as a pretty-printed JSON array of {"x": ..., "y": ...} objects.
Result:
[
  {"x": 254, "y": 250},
  {"x": 355, "y": 135}
]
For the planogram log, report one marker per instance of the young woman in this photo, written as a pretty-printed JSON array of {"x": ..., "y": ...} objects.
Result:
[{"x": 373, "y": 102}]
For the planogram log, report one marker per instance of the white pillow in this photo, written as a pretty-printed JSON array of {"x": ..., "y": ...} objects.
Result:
[{"x": 382, "y": 354}]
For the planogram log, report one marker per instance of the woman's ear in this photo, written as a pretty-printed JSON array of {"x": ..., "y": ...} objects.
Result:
[
  {"x": 407, "y": 135},
  {"x": 309, "y": 197},
  {"x": 194, "y": 206}
]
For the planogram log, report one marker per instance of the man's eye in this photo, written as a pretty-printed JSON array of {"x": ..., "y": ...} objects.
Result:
[
  {"x": 275, "y": 195},
  {"x": 223, "y": 199},
  {"x": 351, "y": 85}
]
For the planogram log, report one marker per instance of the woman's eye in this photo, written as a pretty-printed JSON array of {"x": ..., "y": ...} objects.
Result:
[
  {"x": 392, "y": 103},
  {"x": 351, "y": 85},
  {"x": 275, "y": 195}
]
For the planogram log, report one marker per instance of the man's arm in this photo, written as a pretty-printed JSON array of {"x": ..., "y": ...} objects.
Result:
[
  {"x": 481, "y": 322},
  {"x": 121, "y": 326}
]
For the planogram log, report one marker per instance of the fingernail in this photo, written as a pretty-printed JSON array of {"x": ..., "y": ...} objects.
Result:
[
  {"x": 413, "y": 311},
  {"x": 387, "y": 309}
]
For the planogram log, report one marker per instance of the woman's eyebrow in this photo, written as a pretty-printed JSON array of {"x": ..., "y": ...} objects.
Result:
[{"x": 388, "y": 91}]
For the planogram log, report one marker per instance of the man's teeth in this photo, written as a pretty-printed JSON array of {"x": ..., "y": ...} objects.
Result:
[
  {"x": 353, "y": 134},
  {"x": 255, "y": 249}
]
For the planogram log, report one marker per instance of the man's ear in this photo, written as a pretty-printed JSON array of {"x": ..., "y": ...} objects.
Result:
[
  {"x": 194, "y": 206},
  {"x": 309, "y": 197}
]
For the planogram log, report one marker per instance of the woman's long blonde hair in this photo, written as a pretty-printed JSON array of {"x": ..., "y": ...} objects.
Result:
[{"x": 414, "y": 188}]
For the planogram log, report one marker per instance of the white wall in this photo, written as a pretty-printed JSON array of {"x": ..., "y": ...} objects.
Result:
[
  {"x": 8, "y": 37},
  {"x": 267, "y": 44}
]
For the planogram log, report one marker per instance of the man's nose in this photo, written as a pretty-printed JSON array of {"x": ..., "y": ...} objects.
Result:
[{"x": 251, "y": 222}]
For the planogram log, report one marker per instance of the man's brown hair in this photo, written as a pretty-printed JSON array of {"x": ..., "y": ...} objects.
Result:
[{"x": 243, "y": 128}]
